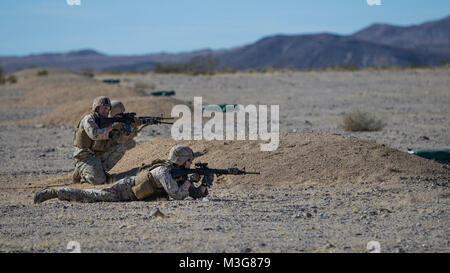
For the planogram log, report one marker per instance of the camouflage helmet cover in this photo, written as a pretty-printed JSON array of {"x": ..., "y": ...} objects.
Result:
[
  {"x": 117, "y": 107},
  {"x": 101, "y": 101},
  {"x": 180, "y": 154}
]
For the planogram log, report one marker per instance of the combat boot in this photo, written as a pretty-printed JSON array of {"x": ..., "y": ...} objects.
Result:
[
  {"x": 76, "y": 177},
  {"x": 45, "y": 195}
]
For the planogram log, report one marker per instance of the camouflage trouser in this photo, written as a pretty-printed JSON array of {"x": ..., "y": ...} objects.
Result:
[
  {"x": 119, "y": 191},
  {"x": 112, "y": 156},
  {"x": 130, "y": 144},
  {"x": 91, "y": 169}
]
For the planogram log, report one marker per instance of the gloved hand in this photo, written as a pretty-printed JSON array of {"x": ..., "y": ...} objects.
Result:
[
  {"x": 194, "y": 177},
  {"x": 208, "y": 180}
]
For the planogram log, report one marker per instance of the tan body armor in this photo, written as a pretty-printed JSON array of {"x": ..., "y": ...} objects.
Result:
[
  {"x": 83, "y": 141},
  {"x": 144, "y": 183}
]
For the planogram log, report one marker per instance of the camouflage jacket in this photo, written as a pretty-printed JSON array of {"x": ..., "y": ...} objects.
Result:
[
  {"x": 93, "y": 131},
  {"x": 164, "y": 179}
]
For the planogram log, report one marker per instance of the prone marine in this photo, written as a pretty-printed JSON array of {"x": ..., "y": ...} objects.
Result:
[{"x": 152, "y": 181}]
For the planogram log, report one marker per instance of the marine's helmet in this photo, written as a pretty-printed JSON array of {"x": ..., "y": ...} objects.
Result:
[
  {"x": 180, "y": 154},
  {"x": 101, "y": 101},
  {"x": 117, "y": 107}
]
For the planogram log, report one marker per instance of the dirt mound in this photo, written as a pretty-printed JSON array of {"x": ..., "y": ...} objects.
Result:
[
  {"x": 60, "y": 87},
  {"x": 69, "y": 95},
  {"x": 300, "y": 158},
  {"x": 31, "y": 73}
]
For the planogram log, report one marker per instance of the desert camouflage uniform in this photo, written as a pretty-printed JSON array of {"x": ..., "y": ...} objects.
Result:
[
  {"x": 121, "y": 190},
  {"x": 90, "y": 163},
  {"x": 118, "y": 145},
  {"x": 110, "y": 158}
]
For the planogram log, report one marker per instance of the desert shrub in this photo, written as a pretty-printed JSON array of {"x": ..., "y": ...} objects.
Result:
[
  {"x": 251, "y": 70},
  {"x": 228, "y": 70},
  {"x": 42, "y": 73},
  {"x": 349, "y": 66},
  {"x": 11, "y": 79},
  {"x": 2, "y": 77},
  {"x": 202, "y": 64},
  {"x": 418, "y": 65},
  {"x": 361, "y": 121},
  {"x": 197, "y": 65},
  {"x": 88, "y": 73},
  {"x": 169, "y": 68}
]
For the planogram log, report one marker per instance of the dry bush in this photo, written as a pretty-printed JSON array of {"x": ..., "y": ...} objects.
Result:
[
  {"x": 197, "y": 65},
  {"x": 228, "y": 70},
  {"x": 42, "y": 73},
  {"x": 88, "y": 73},
  {"x": 2, "y": 77},
  {"x": 11, "y": 79},
  {"x": 357, "y": 121}
]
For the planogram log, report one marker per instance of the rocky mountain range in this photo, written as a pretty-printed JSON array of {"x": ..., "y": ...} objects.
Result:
[{"x": 377, "y": 45}]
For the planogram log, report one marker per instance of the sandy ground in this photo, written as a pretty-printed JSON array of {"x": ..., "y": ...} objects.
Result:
[{"x": 380, "y": 194}]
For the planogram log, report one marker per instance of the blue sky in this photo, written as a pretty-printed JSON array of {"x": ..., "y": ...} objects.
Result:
[{"x": 127, "y": 27}]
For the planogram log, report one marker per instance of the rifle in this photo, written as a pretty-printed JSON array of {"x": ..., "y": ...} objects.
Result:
[
  {"x": 202, "y": 169},
  {"x": 130, "y": 118},
  {"x": 154, "y": 120}
]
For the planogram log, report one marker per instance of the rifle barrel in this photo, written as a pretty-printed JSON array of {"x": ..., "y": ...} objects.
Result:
[{"x": 149, "y": 117}]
